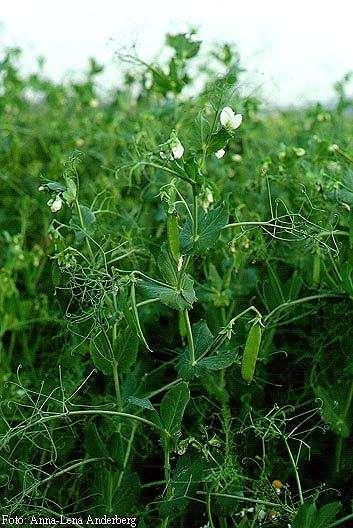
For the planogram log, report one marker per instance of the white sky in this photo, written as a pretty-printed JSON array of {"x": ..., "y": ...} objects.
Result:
[{"x": 296, "y": 49}]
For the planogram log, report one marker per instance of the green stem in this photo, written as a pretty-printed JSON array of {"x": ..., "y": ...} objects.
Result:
[
  {"x": 247, "y": 499},
  {"x": 267, "y": 223},
  {"x": 339, "y": 444},
  {"x": 86, "y": 412},
  {"x": 183, "y": 271},
  {"x": 115, "y": 363},
  {"x": 222, "y": 336},
  {"x": 83, "y": 229},
  {"x": 59, "y": 474},
  {"x": 163, "y": 389},
  {"x": 209, "y": 510},
  {"x": 192, "y": 361},
  {"x": 117, "y": 385},
  {"x": 195, "y": 215},
  {"x": 299, "y": 301},
  {"x": 344, "y": 155},
  {"x": 127, "y": 453},
  {"x": 166, "y": 448},
  {"x": 341, "y": 521},
  {"x": 296, "y": 473},
  {"x": 166, "y": 169}
]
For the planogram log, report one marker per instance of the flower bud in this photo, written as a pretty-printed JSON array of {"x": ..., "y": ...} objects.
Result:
[
  {"x": 220, "y": 153},
  {"x": 55, "y": 205}
]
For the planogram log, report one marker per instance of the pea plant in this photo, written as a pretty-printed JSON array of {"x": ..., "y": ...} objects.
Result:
[{"x": 172, "y": 283}]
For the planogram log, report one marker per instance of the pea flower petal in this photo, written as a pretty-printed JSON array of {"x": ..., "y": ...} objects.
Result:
[
  {"x": 220, "y": 153},
  {"x": 229, "y": 119}
]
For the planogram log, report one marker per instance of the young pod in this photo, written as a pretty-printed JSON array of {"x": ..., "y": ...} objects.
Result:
[
  {"x": 251, "y": 351},
  {"x": 173, "y": 235}
]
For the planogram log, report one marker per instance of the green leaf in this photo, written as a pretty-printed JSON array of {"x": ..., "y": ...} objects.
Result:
[
  {"x": 244, "y": 523},
  {"x": 93, "y": 443},
  {"x": 173, "y": 235},
  {"x": 126, "y": 495},
  {"x": 101, "y": 354},
  {"x": 218, "y": 140},
  {"x": 212, "y": 385},
  {"x": 202, "y": 341},
  {"x": 305, "y": 516},
  {"x": 203, "y": 337},
  {"x": 144, "y": 403},
  {"x": 88, "y": 216},
  {"x": 125, "y": 347},
  {"x": 347, "y": 277},
  {"x": 176, "y": 293},
  {"x": 167, "y": 266},
  {"x": 161, "y": 81},
  {"x": 214, "y": 277},
  {"x": 70, "y": 193},
  {"x": 179, "y": 299},
  {"x": 114, "y": 497},
  {"x": 327, "y": 514},
  {"x": 185, "y": 480},
  {"x": 209, "y": 228},
  {"x": 184, "y": 46},
  {"x": 218, "y": 362},
  {"x": 293, "y": 286},
  {"x": 186, "y": 371},
  {"x": 332, "y": 410},
  {"x": 173, "y": 407},
  {"x": 88, "y": 220},
  {"x": 54, "y": 186},
  {"x": 308, "y": 516}
]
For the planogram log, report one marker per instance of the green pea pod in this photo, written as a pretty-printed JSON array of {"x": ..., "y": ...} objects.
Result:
[
  {"x": 251, "y": 351},
  {"x": 173, "y": 235}
]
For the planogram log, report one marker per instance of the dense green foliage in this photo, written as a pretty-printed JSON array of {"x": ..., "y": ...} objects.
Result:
[{"x": 176, "y": 327}]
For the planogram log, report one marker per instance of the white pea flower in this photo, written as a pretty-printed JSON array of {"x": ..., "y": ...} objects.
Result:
[
  {"x": 180, "y": 263},
  {"x": 56, "y": 204},
  {"x": 220, "y": 153},
  {"x": 333, "y": 148},
  {"x": 334, "y": 166},
  {"x": 79, "y": 142},
  {"x": 229, "y": 119},
  {"x": 299, "y": 152},
  {"x": 177, "y": 149},
  {"x": 237, "y": 158},
  {"x": 41, "y": 188},
  {"x": 207, "y": 199}
]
